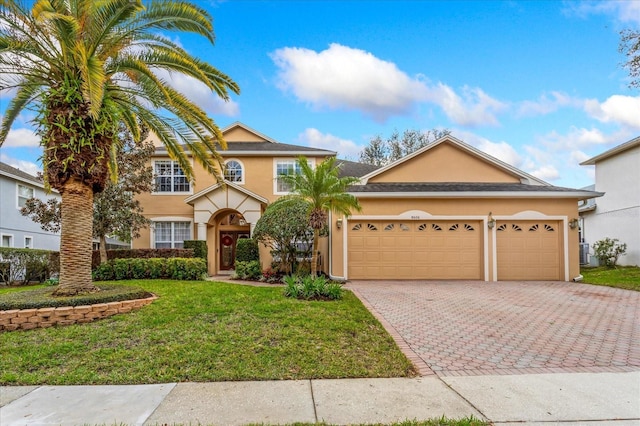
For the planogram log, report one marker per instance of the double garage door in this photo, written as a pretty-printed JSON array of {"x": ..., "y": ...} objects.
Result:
[
  {"x": 415, "y": 250},
  {"x": 526, "y": 250}
]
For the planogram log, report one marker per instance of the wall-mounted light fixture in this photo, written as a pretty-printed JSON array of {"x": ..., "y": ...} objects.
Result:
[
  {"x": 573, "y": 223},
  {"x": 339, "y": 223},
  {"x": 491, "y": 223}
]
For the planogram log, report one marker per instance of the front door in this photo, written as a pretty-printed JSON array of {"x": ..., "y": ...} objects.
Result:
[{"x": 228, "y": 241}]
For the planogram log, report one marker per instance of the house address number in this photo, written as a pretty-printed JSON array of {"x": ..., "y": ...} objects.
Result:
[{"x": 415, "y": 217}]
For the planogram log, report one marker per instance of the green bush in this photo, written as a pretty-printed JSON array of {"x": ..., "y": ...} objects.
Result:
[
  {"x": 308, "y": 288},
  {"x": 191, "y": 269},
  {"x": 141, "y": 253},
  {"x": 248, "y": 270},
  {"x": 21, "y": 266},
  {"x": 608, "y": 251},
  {"x": 199, "y": 248},
  {"x": 247, "y": 250}
]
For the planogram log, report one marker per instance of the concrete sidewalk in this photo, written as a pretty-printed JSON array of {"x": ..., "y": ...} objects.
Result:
[{"x": 575, "y": 399}]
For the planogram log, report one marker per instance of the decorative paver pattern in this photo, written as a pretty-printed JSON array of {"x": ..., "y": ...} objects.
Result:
[{"x": 476, "y": 328}]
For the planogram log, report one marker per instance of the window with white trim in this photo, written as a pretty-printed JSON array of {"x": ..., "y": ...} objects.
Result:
[
  {"x": 28, "y": 242},
  {"x": 285, "y": 167},
  {"x": 24, "y": 193},
  {"x": 169, "y": 177},
  {"x": 7, "y": 240},
  {"x": 233, "y": 171},
  {"x": 171, "y": 234}
]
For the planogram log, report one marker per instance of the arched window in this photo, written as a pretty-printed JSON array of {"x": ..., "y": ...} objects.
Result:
[{"x": 233, "y": 171}]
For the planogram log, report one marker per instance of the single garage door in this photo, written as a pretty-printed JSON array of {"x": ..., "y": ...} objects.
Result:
[
  {"x": 414, "y": 250},
  {"x": 529, "y": 250}
]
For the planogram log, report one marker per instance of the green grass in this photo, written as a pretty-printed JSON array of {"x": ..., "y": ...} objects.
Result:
[
  {"x": 442, "y": 421},
  {"x": 626, "y": 277},
  {"x": 207, "y": 331}
]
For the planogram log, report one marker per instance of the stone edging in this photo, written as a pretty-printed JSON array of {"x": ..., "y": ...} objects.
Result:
[{"x": 26, "y": 319}]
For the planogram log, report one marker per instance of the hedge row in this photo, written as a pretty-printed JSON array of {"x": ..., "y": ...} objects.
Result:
[
  {"x": 168, "y": 268},
  {"x": 22, "y": 266},
  {"x": 141, "y": 254}
]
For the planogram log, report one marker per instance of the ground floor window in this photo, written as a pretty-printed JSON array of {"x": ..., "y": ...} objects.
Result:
[{"x": 172, "y": 234}]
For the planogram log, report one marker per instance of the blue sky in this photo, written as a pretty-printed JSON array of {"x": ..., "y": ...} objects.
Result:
[{"x": 538, "y": 84}]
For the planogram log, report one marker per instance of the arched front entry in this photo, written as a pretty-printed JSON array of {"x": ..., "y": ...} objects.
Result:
[
  {"x": 223, "y": 214},
  {"x": 232, "y": 226}
]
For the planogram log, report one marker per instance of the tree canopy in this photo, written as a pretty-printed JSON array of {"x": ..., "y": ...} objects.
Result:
[
  {"x": 630, "y": 46},
  {"x": 380, "y": 152}
]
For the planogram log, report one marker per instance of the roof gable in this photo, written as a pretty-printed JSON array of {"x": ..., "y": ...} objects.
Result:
[
  {"x": 617, "y": 150},
  {"x": 238, "y": 132},
  {"x": 450, "y": 160}
]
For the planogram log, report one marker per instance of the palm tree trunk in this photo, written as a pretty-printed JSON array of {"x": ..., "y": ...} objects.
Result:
[
  {"x": 314, "y": 254},
  {"x": 76, "y": 239}
]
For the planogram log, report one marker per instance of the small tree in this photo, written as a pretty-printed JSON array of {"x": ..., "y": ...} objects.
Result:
[
  {"x": 283, "y": 225},
  {"x": 608, "y": 251},
  {"x": 630, "y": 46}
]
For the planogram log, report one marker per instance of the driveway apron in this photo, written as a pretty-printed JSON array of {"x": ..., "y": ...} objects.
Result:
[{"x": 462, "y": 328}]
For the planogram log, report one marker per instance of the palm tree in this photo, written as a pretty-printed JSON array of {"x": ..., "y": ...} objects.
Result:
[
  {"x": 87, "y": 66},
  {"x": 323, "y": 190}
]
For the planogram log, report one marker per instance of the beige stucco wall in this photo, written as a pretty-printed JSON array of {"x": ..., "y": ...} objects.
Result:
[{"x": 445, "y": 163}]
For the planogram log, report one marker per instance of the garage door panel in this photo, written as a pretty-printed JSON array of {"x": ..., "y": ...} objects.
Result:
[
  {"x": 415, "y": 250},
  {"x": 528, "y": 250}
]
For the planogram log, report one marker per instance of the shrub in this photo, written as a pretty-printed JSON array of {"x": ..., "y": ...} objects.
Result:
[
  {"x": 247, "y": 250},
  {"x": 248, "y": 270},
  {"x": 21, "y": 266},
  {"x": 308, "y": 288},
  {"x": 608, "y": 251},
  {"x": 141, "y": 254},
  {"x": 271, "y": 276},
  {"x": 199, "y": 248},
  {"x": 190, "y": 269}
]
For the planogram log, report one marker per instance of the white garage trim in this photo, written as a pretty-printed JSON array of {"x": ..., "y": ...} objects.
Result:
[
  {"x": 531, "y": 215},
  {"x": 414, "y": 215}
]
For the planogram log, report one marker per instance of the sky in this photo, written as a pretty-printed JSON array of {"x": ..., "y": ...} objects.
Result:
[{"x": 537, "y": 84}]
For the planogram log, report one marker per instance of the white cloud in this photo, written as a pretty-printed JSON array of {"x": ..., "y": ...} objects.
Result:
[
  {"x": 344, "y": 147},
  {"x": 547, "y": 172},
  {"x": 342, "y": 77},
  {"x": 25, "y": 166},
  {"x": 619, "y": 109},
  {"x": 500, "y": 150},
  {"x": 546, "y": 104},
  {"x": 200, "y": 94},
  {"x": 622, "y": 10},
  {"x": 473, "y": 108},
  {"x": 20, "y": 138}
]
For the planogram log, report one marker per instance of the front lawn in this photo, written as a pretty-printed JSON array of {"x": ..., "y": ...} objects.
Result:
[
  {"x": 627, "y": 277},
  {"x": 207, "y": 331}
]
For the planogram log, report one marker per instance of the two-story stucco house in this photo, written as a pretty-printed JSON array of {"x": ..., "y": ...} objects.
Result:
[
  {"x": 447, "y": 211},
  {"x": 617, "y": 213},
  {"x": 16, "y": 187}
]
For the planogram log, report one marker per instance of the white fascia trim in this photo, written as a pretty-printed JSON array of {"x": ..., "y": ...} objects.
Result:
[
  {"x": 531, "y": 215},
  {"x": 417, "y": 215},
  {"x": 472, "y": 194},
  {"x": 27, "y": 181},
  {"x": 278, "y": 153},
  {"x": 216, "y": 186}
]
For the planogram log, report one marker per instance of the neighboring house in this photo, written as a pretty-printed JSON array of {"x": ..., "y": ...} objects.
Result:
[
  {"x": 617, "y": 213},
  {"x": 447, "y": 211},
  {"x": 16, "y": 187}
]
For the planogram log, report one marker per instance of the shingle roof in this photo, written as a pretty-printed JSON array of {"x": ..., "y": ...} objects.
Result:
[
  {"x": 7, "y": 169},
  {"x": 452, "y": 187},
  {"x": 270, "y": 147},
  {"x": 351, "y": 168}
]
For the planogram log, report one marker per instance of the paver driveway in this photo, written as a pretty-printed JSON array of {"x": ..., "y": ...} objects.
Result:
[{"x": 473, "y": 328}]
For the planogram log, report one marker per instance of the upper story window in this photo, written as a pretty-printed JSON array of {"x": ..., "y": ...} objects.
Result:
[
  {"x": 24, "y": 193},
  {"x": 233, "y": 171},
  {"x": 285, "y": 167},
  {"x": 169, "y": 177}
]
